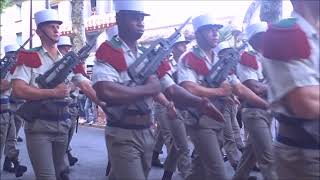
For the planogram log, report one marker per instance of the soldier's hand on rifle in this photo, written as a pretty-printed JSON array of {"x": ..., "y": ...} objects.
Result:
[
  {"x": 61, "y": 91},
  {"x": 171, "y": 111},
  {"x": 210, "y": 110},
  {"x": 153, "y": 84},
  {"x": 226, "y": 89}
]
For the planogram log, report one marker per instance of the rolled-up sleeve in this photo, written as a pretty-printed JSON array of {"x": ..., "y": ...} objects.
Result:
[
  {"x": 23, "y": 73},
  {"x": 186, "y": 74},
  {"x": 286, "y": 76},
  {"x": 104, "y": 72},
  {"x": 166, "y": 81},
  {"x": 233, "y": 80},
  {"x": 245, "y": 73}
]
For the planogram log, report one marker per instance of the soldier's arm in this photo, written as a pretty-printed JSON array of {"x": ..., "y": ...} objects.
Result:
[
  {"x": 182, "y": 99},
  {"x": 256, "y": 86},
  {"x": 4, "y": 85},
  {"x": 304, "y": 102},
  {"x": 202, "y": 91},
  {"x": 24, "y": 91},
  {"x": 245, "y": 93},
  {"x": 161, "y": 98},
  {"x": 87, "y": 89},
  {"x": 115, "y": 93}
]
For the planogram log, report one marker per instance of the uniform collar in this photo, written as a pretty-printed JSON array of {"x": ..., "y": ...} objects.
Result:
[
  {"x": 204, "y": 55},
  {"x": 125, "y": 47},
  {"x": 44, "y": 51},
  {"x": 305, "y": 25}
]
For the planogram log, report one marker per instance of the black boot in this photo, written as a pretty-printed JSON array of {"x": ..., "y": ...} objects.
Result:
[
  {"x": 155, "y": 160},
  {"x": 19, "y": 139},
  {"x": 72, "y": 160},
  {"x": 167, "y": 175},
  {"x": 108, "y": 168},
  {"x": 7, "y": 165},
  {"x": 19, "y": 169}
]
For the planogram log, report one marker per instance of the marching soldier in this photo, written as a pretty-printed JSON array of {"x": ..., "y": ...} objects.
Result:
[
  {"x": 257, "y": 121},
  {"x": 291, "y": 63},
  {"x": 129, "y": 137},
  {"x": 46, "y": 111},
  {"x": 64, "y": 46},
  {"x": 233, "y": 154},
  {"x": 206, "y": 133},
  {"x": 8, "y": 128},
  {"x": 175, "y": 129}
]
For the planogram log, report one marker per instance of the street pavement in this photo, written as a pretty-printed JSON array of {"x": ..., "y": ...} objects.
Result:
[{"x": 89, "y": 146}]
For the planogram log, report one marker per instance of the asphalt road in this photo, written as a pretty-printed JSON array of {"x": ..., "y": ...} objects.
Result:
[{"x": 89, "y": 146}]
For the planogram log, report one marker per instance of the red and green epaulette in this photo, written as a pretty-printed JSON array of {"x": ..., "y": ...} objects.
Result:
[
  {"x": 29, "y": 58},
  {"x": 249, "y": 60},
  {"x": 286, "y": 41},
  {"x": 196, "y": 62},
  {"x": 111, "y": 52}
]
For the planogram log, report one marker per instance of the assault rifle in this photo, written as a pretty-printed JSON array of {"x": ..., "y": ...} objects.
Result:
[
  {"x": 228, "y": 61},
  {"x": 146, "y": 65},
  {"x": 59, "y": 72},
  {"x": 8, "y": 61},
  {"x": 149, "y": 62}
]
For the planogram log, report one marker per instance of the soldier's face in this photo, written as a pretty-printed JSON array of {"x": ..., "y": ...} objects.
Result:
[
  {"x": 134, "y": 25},
  {"x": 210, "y": 35},
  {"x": 179, "y": 49},
  {"x": 49, "y": 32}
]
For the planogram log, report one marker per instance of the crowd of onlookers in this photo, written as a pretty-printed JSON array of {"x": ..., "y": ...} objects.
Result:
[{"x": 88, "y": 110}]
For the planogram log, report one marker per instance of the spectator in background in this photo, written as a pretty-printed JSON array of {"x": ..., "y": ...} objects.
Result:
[{"x": 90, "y": 110}]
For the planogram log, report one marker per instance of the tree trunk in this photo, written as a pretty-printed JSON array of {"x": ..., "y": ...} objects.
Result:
[
  {"x": 250, "y": 12},
  {"x": 78, "y": 28},
  {"x": 271, "y": 11}
]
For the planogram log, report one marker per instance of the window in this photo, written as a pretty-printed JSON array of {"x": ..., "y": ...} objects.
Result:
[
  {"x": 19, "y": 38},
  {"x": 18, "y": 15},
  {"x": 93, "y": 4},
  {"x": 55, "y": 7}
]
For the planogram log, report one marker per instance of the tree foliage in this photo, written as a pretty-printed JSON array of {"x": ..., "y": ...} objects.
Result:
[{"x": 3, "y": 5}]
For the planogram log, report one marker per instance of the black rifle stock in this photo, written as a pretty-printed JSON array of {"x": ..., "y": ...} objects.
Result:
[{"x": 7, "y": 62}]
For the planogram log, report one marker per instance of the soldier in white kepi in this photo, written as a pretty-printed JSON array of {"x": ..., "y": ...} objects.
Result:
[
  {"x": 256, "y": 121},
  {"x": 46, "y": 113},
  {"x": 64, "y": 46},
  {"x": 129, "y": 136},
  {"x": 291, "y": 63},
  {"x": 8, "y": 137},
  {"x": 195, "y": 65}
]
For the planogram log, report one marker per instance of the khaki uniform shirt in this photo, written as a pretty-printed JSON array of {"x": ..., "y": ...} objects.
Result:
[
  {"x": 284, "y": 77},
  {"x": 29, "y": 75},
  {"x": 105, "y": 72}
]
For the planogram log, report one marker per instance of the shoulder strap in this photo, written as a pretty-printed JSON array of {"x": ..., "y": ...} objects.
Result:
[
  {"x": 286, "y": 41},
  {"x": 111, "y": 53},
  {"x": 249, "y": 60},
  {"x": 196, "y": 63}
]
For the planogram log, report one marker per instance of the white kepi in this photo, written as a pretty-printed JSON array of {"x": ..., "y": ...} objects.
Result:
[{"x": 47, "y": 15}]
